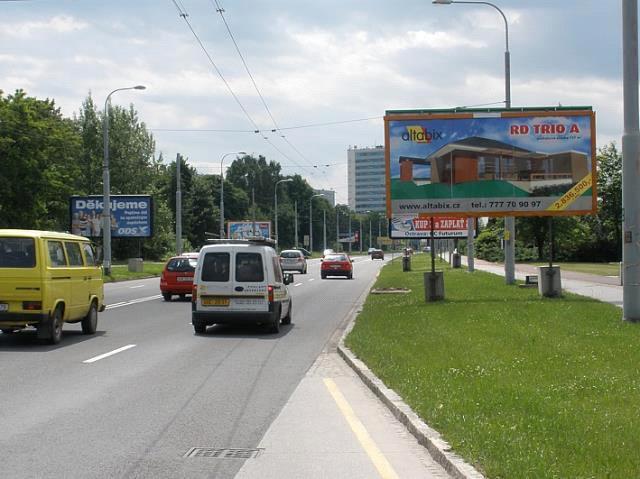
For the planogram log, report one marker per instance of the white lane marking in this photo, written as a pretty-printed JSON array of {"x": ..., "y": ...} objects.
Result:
[
  {"x": 298, "y": 284},
  {"x": 133, "y": 301},
  {"x": 135, "y": 287},
  {"x": 312, "y": 279},
  {"x": 110, "y": 353}
]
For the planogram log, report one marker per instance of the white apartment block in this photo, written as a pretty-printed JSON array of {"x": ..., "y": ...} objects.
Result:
[{"x": 366, "y": 179}]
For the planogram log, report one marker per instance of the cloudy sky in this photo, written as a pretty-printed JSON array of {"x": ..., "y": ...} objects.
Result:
[{"x": 318, "y": 66}]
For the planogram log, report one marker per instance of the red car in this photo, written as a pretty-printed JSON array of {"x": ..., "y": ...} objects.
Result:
[
  {"x": 177, "y": 276},
  {"x": 338, "y": 264}
]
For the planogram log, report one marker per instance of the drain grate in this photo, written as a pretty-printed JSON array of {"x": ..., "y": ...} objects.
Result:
[{"x": 227, "y": 453}]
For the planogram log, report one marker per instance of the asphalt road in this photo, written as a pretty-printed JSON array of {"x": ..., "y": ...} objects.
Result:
[{"x": 67, "y": 411}]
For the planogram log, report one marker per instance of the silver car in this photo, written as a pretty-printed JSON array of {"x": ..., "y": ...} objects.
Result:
[{"x": 293, "y": 260}]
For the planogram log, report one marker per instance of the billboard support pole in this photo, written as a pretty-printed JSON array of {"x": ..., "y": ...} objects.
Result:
[
  {"x": 470, "y": 262},
  {"x": 295, "y": 207},
  {"x": 630, "y": 164}
]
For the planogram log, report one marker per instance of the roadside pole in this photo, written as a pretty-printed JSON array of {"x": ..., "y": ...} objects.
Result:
[{"x": 630, "y": 164}]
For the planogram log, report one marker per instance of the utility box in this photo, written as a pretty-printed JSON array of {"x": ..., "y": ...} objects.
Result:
[
  {"x": 549, "y": 283},
  {"x": 433, "y": 286},
  {"x": 406, "y": 263},
  {"x": 456, "y": 262},
  {"x": 136, "y": 265}
]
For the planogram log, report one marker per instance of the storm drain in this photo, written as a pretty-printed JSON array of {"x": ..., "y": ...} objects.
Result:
[{"x": 227, "y": 453}]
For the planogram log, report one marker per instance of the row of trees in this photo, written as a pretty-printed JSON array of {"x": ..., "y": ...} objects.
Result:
[{"x": 46, "y": 158}]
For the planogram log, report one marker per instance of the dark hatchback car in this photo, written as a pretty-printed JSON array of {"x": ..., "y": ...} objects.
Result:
[
  {"x": 177, "y": 276},
  {"x": 377, "y": 254}
]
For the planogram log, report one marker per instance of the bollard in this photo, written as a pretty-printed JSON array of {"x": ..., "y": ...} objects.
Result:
[
  {"x": 433, "y": 286},
  {"x": 549, "y": 282},
  {"x": 406, "y": 263},
  {"x": 456, "y": 261}
]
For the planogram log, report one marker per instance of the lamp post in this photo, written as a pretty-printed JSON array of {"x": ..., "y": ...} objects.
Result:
[
  {"x": 324, "y": 229},
  {"x": 222, "y": 235},
  {"x": 509, "y": 221},
  {"x": 106, "y": 186},
  {"x": 311, "y": 222},
  {"x": 275, "y": 194}
]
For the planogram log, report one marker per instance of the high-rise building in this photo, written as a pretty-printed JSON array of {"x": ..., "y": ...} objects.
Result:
[
  {"x": 328, "y": 195},
  {"x": 366, "y": 179}
]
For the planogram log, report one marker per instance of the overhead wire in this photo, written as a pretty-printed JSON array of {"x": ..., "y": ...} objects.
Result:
[{"x": 220, "y": 11}]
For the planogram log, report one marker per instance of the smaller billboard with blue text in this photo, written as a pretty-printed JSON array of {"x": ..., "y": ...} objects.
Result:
[
  {"x": 248, "y": 229},
  {"x": 131, "y": 216}
]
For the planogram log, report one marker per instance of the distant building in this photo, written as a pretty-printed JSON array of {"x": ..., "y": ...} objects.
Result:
[
  {"x": 328, "y": 195},
  {"x": 366, "y": 178}
]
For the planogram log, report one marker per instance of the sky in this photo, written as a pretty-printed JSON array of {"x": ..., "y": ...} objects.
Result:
[{"x": 322, "y": 73}]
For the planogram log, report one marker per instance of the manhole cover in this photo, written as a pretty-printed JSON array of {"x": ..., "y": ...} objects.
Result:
[{"x": 225, "y": 453}]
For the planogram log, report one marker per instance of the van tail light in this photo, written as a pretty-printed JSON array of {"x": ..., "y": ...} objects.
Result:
[
  {"x": 32, "y": 305},
  {"x": 194, "y": 293},
  {"x": 270, "y": 293}
]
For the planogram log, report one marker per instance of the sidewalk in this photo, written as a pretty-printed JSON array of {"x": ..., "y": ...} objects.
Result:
[{"x": 602, "y": 288}]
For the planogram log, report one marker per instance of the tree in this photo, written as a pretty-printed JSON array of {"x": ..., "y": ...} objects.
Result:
[{"x": 39, "y": 150}]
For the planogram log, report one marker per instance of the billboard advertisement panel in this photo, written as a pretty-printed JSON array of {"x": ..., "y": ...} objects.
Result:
[
  {"x": 131, "y": 216},
  {"x": 413, "y": 226},
  {"x": 244, "y": 229},
  {"x": 537, "y": 162}
]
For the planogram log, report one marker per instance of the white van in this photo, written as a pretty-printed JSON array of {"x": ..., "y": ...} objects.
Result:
[{"x": 239, "y": 281}]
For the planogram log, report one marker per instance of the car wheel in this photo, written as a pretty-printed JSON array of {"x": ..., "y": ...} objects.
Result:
[
  {"x": 53, "y": 328},
  {"x": 305, "y": 270},
  {"x": 199, "y": 328},
  {"x": 287, "y": 318},
  {"x": 274, "y": 325},
  {"x": 166, "y": 296},
  {"x": 323, "y": 276},
  {"x": 90, "y": 321},
  {"x": 350, "y": 276}
]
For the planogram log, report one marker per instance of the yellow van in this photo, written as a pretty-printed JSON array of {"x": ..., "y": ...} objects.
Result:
[{"x": 47, "y": 279}]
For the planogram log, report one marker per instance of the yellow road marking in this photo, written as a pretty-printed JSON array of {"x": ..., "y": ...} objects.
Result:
[{"x": 379, "y": 461}]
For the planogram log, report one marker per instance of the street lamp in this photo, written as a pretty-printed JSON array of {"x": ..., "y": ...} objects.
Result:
[
  {"x": 509, "y": 221},
  {"x": 106, "y": 186},
  {"x": 275, "y": 194},
  {"x": 222, "y": 235},
  {"x": 311, "y": 222}
]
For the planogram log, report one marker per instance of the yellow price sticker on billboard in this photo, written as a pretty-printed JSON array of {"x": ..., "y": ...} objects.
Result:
[{"x": 573, "y": 194}]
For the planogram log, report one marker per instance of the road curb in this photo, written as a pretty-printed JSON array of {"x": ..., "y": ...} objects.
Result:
[{"x": 429, "y": 438}]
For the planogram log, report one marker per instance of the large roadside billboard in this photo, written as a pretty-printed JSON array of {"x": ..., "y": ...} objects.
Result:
[
  {"x": 131, "y": 216},
  {"x": 537, "y": 162},
  {"x": 245, "y": 229},
  {"x": 413, "y": 226}
]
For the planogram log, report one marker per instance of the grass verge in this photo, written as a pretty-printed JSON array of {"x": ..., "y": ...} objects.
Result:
[
  {"x": 521, "y": 386},
  {"x": 120, "y": 272},
  {"x": 601, "y": 269}
]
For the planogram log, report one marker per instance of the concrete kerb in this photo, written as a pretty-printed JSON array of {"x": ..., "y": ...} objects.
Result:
[{"x": 429, "y": 438}]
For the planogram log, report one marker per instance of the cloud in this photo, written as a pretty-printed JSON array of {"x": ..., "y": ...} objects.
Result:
[{"x": 56, "y": 24}]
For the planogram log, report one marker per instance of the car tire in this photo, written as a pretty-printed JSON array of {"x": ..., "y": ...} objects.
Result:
[
  {"x": 53, "y": 327},
  {"x": 166, "y": 296},
  {"x": 90, "y": 321},
  {"x": 323, "y": 276},
  {"x": 287, "y": 318},
  {"x": 350, "y": 276},
  {"x": 305, "y": 270},
  {"x": 199, "y": 328},
  {"x": 274, "y": 324}
]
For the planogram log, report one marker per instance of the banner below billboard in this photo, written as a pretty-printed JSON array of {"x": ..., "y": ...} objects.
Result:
[
  {"x": 414, "y": 227},
  {"x": 131, "y": 216},
  {"x": 245, "y": 229},
  {"x": 525, "y": 162}
]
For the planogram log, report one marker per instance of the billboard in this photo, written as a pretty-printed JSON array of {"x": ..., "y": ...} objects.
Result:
[
  {"x": 413, "y": 226},
  {"x": 131, "y": 216},
  {"x": 537, "y": 162},
  {"x": 244, "y": 229}
]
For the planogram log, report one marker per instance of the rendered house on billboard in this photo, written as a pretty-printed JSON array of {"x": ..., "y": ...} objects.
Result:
[{"x": 476, "y": 159}]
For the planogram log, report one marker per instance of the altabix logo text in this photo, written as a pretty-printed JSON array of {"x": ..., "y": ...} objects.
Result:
[{"x": 419, "y": 134}]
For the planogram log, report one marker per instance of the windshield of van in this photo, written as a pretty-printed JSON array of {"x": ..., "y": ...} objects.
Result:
[
  {"x": 17, "y": 253},
  {"x": 249, "y": 268},
  {"x": 215, "y": 267}
]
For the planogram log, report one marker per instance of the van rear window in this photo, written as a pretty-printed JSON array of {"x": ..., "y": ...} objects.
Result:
[
  {"x": 17, "y": 253},
  {"x": 215, "y": 267},
  {"x": 249, "y": 268}
]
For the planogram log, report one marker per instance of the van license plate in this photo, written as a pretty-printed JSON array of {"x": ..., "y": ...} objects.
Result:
[
  {"x": 215, "y": 301},
  {"x": 4, "y": 307}
]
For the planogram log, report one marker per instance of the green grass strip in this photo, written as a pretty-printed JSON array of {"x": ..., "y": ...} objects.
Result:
[
  {"x": 520, "y": 386},
  {"x": 120, "y": 272}
]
